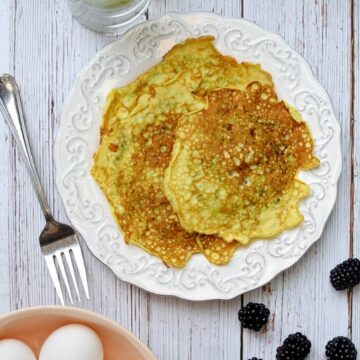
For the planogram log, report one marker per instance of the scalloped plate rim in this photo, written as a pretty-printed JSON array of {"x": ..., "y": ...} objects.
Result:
[{"x": 172, "y": 291}]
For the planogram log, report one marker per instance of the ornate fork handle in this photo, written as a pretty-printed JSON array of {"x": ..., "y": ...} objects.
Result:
[{"x": 10, "y": 106}]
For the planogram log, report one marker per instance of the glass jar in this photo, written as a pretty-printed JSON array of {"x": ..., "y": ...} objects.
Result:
[{"x": 108, "y": 16}]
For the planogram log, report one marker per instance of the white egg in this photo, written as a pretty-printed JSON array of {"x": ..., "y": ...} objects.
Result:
[
  {"x": 72, "y": 342},
  {"x": 11, "y": 349}
]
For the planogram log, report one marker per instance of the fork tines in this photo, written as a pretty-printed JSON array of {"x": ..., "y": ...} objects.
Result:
[{"x": 54, "y": 254}]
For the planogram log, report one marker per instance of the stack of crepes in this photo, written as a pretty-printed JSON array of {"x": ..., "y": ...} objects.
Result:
[{"x": 198, "y": 155}]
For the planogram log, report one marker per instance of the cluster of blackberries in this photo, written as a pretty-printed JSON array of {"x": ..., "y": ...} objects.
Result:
[
  {"x": 297, "y": 346},
  {"x": 254, "y": 316}
]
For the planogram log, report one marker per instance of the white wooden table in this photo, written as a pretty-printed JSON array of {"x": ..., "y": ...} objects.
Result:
[{"x": 44, "y": 48}]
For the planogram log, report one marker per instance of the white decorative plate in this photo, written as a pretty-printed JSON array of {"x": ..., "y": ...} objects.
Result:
[{"x": 121, "y": 62}]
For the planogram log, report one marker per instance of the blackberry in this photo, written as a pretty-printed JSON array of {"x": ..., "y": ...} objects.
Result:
[
  {"x": 346, "y": 275},
  {"x": 340, "y": 348},
  {"x": 253, "y": 316},
  {"x": 295, "y": 347}
]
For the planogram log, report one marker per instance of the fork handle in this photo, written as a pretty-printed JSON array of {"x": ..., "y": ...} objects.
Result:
[{"x": 10, "y": 106}]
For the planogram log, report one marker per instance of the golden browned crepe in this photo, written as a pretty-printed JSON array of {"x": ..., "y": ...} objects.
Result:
[
  {"x": 234, "y": 166},
  {"x": 137, "y": 136},
  {"x": 142, "y": 122}
]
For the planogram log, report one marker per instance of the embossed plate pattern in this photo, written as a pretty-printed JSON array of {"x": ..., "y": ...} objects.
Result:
[{"x": 78, "y": 137}]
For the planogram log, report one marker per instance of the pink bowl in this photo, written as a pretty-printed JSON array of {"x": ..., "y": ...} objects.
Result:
[{"x": 34, "y": 325}]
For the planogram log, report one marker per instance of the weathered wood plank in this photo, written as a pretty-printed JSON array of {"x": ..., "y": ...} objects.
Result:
[
  {"x": 301, "y": 299},
  {"x": 355, "y": 92},
  {"x": 5, "y": 166}
]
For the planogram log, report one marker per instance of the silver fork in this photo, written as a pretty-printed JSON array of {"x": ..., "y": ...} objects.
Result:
[{"x": 57, "y": 241}]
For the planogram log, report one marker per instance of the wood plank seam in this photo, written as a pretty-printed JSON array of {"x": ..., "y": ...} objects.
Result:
[{"x": 352, "y": 154}]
